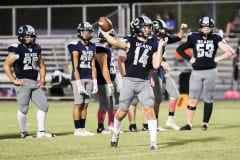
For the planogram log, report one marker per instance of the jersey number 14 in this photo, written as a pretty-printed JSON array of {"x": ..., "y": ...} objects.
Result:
[{"x": 143, "y": 59}]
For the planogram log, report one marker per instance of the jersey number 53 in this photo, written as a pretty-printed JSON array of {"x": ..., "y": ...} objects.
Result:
[{"x": 205, "y": 50}]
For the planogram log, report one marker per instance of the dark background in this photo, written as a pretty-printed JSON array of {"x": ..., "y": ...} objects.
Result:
[
  {"x": 66, "y": 23},
  {"x": 45, "y": 2}
]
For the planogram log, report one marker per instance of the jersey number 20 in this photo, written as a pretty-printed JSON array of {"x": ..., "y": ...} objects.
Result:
[{"x": 30, "y": 63}]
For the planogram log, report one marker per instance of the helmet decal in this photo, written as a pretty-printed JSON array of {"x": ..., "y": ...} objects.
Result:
[
  {"x": 26, "y": 30},
  {"x": 84, "y": 26},
  {"x": 138, "y": 23}
]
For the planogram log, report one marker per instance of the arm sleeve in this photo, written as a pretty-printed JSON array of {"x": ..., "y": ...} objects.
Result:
[
  {"x": 181, "y": 50},
  {"x": 173, "y": 39}
]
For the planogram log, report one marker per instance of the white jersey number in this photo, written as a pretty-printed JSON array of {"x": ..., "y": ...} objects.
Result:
[
  {"x": 86, "y": 58},
  {"x": 143, "y": 59},
  {"x": 205, "y": 50},
  {"x": 30, "y": 63}
]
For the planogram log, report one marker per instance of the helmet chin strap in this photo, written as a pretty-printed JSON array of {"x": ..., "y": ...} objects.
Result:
[
  {"x": 29, "y": 44},
  {"x": 85, "y": 41},
  {"x": 206, "y": 35}
]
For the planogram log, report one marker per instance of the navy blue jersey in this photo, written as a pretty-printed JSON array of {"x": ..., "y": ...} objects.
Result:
[
  {"x": 204, "y": 49},
  {"x": 139, "y": 57},
  {"x": 105, "y": 49},
  {"x": 85, "y": 58},
  {"x": 26, "y": 66}
]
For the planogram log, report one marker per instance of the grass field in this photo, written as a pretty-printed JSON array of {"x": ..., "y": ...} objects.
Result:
[{"x": 220, "y": 142}]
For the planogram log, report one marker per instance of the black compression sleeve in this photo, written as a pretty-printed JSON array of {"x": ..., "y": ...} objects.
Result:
[
  {"x": 173, "y": 39},
  {"x": 181, "y": 48}
]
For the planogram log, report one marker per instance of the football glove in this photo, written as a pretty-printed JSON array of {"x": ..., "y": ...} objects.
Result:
[
  {"x": 95, "y": 87},
  {"x": 184, "y": 27},
  {"x": 110, "y": 89},
  {"x": 81, "y": 89}
]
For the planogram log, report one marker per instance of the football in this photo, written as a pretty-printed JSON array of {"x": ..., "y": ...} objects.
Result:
[{"x": 105, "y": 24}]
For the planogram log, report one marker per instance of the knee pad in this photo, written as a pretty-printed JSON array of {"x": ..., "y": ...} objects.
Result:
[
  {"x": 43, "y": 108},
  {"x": 23, "y": 109},
  {"x": 191, "y": 108}
]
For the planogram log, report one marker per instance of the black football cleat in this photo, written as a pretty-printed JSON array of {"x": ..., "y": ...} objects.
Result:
[
  {"x": 114, "y": 144},
  {"x": 187, "y": 127},
  {"x": 25, "y": 135},
  {"x": 145, "y": 127},
  {"x": 99, "y": 130},
  {"x": 204, "y": 127},
  {"x": 133, "y": 128},
  {"x": 114, "y": 140},
  {"x": 153, "y": 148}
]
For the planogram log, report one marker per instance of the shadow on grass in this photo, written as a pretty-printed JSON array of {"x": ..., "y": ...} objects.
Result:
[
  {"x": 10, "y": 136},
  {"x": 186, "y": 141},
  {"x": 225, "y": 126},
  {"x": 17, "y": 135}
]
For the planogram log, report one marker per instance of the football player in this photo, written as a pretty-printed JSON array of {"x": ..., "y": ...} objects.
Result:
[
  {"x": 84, "y": 80},
  {"x": 26, "y": 60},
  {"x": 204, "y": 62},
  {"x": 106, "y": 74},
  {"x": 132, "y": 108},
  {"x": 143, "y": 54},
  {"x": 162, "y": 77}
]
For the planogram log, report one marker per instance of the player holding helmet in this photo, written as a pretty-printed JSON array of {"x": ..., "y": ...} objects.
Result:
[
  {"x": 83, "y": 75},
  {"x": 25, "y": 58},
  {"x": 143, "y": 54},
  {"x": 204, "y": 62}
]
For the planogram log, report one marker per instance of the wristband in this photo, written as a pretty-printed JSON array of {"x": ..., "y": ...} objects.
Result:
[{"x": 95, "y": 82}]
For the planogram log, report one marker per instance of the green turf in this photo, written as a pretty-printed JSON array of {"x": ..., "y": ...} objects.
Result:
[{"x": 220, "y": 142}]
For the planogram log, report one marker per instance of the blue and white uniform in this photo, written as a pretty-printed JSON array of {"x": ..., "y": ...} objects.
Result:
[
  {"x": 86, "y": 54},
  {"x": 138, "y": 66},
  {"x": 204, "y": 75},
  {"x": 26, "y": 67},
  {"x": 106, "y": 102}
]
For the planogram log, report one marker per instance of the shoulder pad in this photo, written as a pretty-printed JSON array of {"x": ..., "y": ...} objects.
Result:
[
  {"x": 73, "y": 42},
  {"x": 91, "y": 43},
  {"x": 191, "y": 33},
  {"x": 94, "y": 40},
  {"x": 14, "y": 45},
  {"x": 216, "y": 34},
  {"x": 101, "y": 45},
  {"x": 123, "y": 39},
  {"x": 37, "y": 45}
]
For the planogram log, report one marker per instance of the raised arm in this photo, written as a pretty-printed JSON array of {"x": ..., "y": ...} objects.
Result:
[
  {"x": 116, "y": 43},
  {"x": 157, "y": 56},
  {"x": 182, "y": 30}
]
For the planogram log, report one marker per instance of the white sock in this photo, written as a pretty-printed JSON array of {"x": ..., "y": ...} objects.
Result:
[
  {"x": 152, "y": 127},
  {"x": 41, "y": 116},
  {"x": 117, "y": 125},
  {"x": 22, "y": 121},
  {"x": 170, "y": 117}
]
